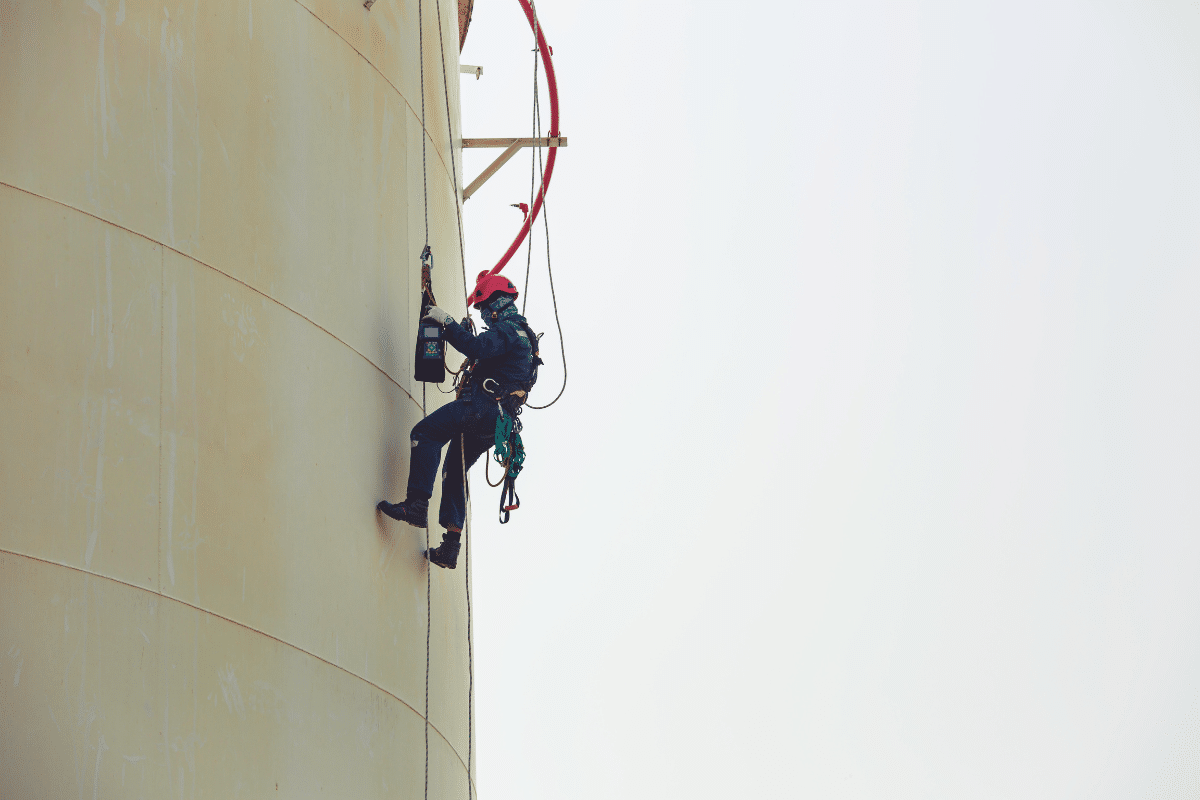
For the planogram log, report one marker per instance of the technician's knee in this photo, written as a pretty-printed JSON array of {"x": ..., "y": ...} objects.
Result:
[{"x": 419, "y": 432}]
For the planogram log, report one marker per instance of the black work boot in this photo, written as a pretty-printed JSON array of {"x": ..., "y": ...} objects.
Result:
[
  {"x": 445, "y": 554},
  {"x": 414, "y": 512}
]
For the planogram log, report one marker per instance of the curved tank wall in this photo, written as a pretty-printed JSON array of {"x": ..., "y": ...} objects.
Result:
[{"x": 210, "y": 221}]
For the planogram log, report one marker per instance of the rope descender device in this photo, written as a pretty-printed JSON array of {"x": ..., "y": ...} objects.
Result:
[{"x": 427, "y": 299}]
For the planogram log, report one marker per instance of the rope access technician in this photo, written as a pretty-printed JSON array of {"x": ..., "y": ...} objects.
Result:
[{"x": 500, "y": 370}]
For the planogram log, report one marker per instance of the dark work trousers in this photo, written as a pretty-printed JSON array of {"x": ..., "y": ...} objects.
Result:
[{"x": 474, "y": 421}]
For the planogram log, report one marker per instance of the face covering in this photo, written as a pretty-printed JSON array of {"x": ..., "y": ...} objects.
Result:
[{"x": 499, "y": 304}]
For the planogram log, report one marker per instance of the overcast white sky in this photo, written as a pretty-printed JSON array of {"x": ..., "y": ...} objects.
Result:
[{"x": 876, "y": 474}]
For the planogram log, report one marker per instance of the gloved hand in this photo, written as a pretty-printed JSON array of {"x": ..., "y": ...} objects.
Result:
[{"x": 437, "y": 314}]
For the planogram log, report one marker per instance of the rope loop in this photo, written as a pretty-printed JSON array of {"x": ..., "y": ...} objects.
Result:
[{"x": 509, "y": 501}]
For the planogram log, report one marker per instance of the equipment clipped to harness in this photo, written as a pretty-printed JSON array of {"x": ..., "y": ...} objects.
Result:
[
  {"x": 510, "y": 454},
  {"x": 429, "y": 361},
  {"x": 509, "y": 501}
]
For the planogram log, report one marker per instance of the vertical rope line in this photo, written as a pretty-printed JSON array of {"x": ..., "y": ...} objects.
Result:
[
  {"x": 424, "y": 405},
  {"x": 470, "y": 645},
  {"x": 535, "y": 119},
  {"x": 462, "y": 459},
  {"x": 553, "y": 297},
  {"x": 462, "y": 250},
  {"x": 428, "y": 619},
  {"x": 424, "y": 171}
]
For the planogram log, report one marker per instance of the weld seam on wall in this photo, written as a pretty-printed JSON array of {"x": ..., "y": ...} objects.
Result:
[
  {"x": 249, "y": 628},
  {"x": 386, "y": 80},
  {"x": 259, "y": 292},
  {"x": 162, "y": 346}
]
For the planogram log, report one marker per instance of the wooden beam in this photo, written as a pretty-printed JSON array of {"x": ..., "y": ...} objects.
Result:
[
  {"x": 491, "y": 170},
  {"x": 553, "y": 141},
  {"x": 511, "y": 146}
]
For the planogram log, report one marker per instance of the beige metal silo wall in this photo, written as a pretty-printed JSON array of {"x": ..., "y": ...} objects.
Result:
[{"x": 210, "y": 217}]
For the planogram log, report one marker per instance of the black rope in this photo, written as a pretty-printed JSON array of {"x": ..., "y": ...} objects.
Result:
[
  {"x": 537, "y": 113},
  {"x": 487, "y": 470},
  {"x": 424, "y": 173},
  {"x": 535, "y": 131},
  {"x": 462, "y": 260},
  {"x": 428, "y": 616},
  {"x": 558, "y": 322},
  {"x": 462, "y": 250},
  {"x": 470, "y": 644},
  {"x": 424, "y": 406}
]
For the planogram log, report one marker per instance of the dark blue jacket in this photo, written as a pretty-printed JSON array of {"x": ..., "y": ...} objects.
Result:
[{"x": 503, "y": 352}]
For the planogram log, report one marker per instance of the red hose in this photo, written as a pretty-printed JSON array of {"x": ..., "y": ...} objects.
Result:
[{"x": 552, "y": 88}]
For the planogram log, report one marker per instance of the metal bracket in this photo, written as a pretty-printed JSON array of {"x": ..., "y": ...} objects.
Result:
[
  {"x": 467, "y": 69},
  {"x": 511, "y": 147}
]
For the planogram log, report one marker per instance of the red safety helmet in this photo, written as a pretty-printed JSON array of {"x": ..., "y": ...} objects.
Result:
[{"x": 487, "y": 284}]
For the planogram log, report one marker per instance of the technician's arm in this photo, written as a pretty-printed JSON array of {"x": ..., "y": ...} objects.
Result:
[{"x": 488, "y": 344}]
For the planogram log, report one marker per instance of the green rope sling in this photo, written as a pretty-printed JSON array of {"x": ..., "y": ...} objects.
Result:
[{"x": 510, "y": 454}]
